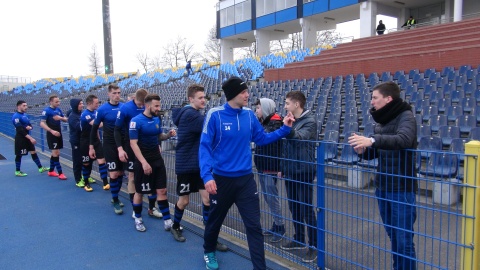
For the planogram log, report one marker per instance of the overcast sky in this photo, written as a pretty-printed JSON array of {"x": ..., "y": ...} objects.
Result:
[{"x": 53, "y": 38}]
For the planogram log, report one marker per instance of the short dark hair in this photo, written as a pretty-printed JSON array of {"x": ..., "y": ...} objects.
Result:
[
  {"x": 151, "y": 97},
  {"x": 388, "y": 89},
  {"x": 52, "y": 97},
  {"x": 257, "y": 102},
  {"x": 140, "y": 95},
  {"x": 20, "y": 102},
  {"x": 112, "y": 87},
  {"x": 192, "y": 89},
  {"x": 297, "y": 96},
  {"x": 90, "y": 98}
]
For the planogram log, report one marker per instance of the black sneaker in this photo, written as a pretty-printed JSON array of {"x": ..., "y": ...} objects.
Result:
[
  {"x": 310, "y": 256},
  {"x": 271, "y": 231},
  {"x": 177, "y": 235},
  {"x": 221, "y": 247},
  {"x": 292, "y": 245}
]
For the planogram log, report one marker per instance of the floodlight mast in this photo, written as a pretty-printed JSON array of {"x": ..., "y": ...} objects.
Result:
[{"x": 107, "y": 37}]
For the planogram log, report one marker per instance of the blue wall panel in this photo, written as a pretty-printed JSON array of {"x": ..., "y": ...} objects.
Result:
[
  {"x": 266, "y": 20},
  {"x": 334, "y": 4},
  {"x": 227, "y": 31},
  {"x": 286, "y": 15},
  {"x": 315, "y": 7},
  {"x": 243, "y": 27}
]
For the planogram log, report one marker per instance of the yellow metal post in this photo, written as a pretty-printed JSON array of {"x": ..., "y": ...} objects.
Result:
[{"x": 471, "y": 207}]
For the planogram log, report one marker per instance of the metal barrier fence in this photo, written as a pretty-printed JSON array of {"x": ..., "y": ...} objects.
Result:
[{"x": 335, "y": 207}]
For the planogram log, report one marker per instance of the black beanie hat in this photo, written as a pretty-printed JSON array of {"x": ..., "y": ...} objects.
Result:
[{"x": 233, "y": 86}]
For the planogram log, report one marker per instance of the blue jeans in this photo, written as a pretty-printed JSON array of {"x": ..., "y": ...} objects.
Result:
[
  {"x": 399, "y": 212},
  {"x": 268, "y": 182}
]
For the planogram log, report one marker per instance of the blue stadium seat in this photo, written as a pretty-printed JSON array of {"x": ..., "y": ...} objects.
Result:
[
  {"x": 458, "y": 146},
  {"x": 429, "y": 88},
  {"x": 331, "y": 137},
  {"x": 416, "y": 96},
  {"x": 427, "y": 111},
  {"x": 453, "y": 112},
  {"x": 463, "y": 69},
  {"x": 369, "y": 129},
  {"x": 469, "y": 89},
  {"x": 457, "y": 95},
  {"x": 436, "y": 95},
  {"x": 347, "y": 155},
  {"x": 474, "y": 134},
  {"x": 442, "y": 165},
  {"x": 468, "y": 104},
  {"x": 466, "y": 123},
  {"x": 447, "y": 133},
  {"x": 428, "y": 144},
  {"x": 423, "y": 131},
  {"x": 442, "y": 104},
  {"x": 348, "y": 129},
  {"x": 418, "y": 119}
]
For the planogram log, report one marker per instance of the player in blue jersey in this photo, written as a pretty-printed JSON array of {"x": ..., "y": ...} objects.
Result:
[
  {"x": 24, "y": 142},
  {"x": 129, "y": 110},
  {"x": 150, "y": 174},
  {"x": 107, "y": 114},
  {"x": 52, "y": 117},
  {"x": 86, "y": 121},
  {"x": 225, "y": 158}
]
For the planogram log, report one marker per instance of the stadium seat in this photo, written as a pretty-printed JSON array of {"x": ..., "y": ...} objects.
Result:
[
  {"x": 347, "y": 154},
  {"x": 456, "y": 96},
  {"x": 447, "y": 133},
  {"x": 423, "y": 131},
  {"x": 427, "y": 111},
  {"x": 442, "y": 104},
  {"x": 468, "y": 104},
  {"x": 331, "y": 136},
  {"x": 474, "y": 134},
  {"x": 418, "y": 119},
  {"x": 442, "y": 165},
  {"x": 348, "y": 129},
  {"x": 466, "y": 122},
  {"x": 453, "y": 112},
  {"x": 458, "y": 146},
  {"x": 428, "y": 144},
  {"x": 436, "y": 95}
]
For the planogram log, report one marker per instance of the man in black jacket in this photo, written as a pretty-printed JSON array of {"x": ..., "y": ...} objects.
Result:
[
  {"x": 380, "y": 28},
  {"x": 395, "y": 183},
  {"x": 75, "y": 131},
  {"x": 267, "y": 162}
]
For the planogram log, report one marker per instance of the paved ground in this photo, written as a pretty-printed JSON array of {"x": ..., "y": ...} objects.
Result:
[{"x": 51, "y": 224}]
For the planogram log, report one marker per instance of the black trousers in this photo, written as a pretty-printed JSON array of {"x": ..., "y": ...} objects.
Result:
[
  {"x": 77, "y": 161},
  {"x": 243, "y": 192}
]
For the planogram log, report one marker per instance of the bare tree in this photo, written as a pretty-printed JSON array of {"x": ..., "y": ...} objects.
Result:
[
  {"x": 144, "y": 61},
  {"x": 328, "y": 37},
  {"x": 177, "y": 52},
  {"x": 293, "y": 42},
  {"x": 156, "y": 62},
  {"x": 94, "y": 58},
  {"x": 247, "y": 52},
  {"x": 212, "y": 46}
]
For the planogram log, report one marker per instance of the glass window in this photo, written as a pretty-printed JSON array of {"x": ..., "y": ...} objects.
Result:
[
  {"x": 223, "y": 17},
  {"x": 290, "y": 3},
  {"x": 230, "y": 15},
  {"x": 260, "y": 8},
  {"x": 280, "y": 5}
]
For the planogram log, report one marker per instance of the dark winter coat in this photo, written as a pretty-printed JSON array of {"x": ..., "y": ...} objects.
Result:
[
  {"x": 265, "y": 155},
  {"x": 74, "y": 121},
  {"x": 299, "y": 149},
  {"x": 395, "y": 131},
  {"x": 189, "y": 122}
]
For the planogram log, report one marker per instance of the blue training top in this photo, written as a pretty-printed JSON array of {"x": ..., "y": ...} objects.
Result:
[
  {"x": 48, "y": 114},
  {"x": 146, "y": 130},
  {"x": 225, "y": 141}
]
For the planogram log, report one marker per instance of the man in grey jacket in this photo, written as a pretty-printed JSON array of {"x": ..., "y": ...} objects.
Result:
[
  {"x": 299, "y": 171},
  {"x": 395, "y": 132}
]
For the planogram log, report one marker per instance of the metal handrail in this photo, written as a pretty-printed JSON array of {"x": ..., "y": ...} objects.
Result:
[{"x": 441, "y": 21}]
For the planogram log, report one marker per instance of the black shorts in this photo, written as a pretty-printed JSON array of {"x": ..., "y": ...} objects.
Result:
[
  {"x": 131, "y": 158},
  {"x": 189, "y": 183},
  {"x": 54, "y": 142},
  {"x": 23, "y": 146},
  {"x": 85, "y": 148},
  {"x": 147, "y": 184},
  {"x": 111, "y": 157}
]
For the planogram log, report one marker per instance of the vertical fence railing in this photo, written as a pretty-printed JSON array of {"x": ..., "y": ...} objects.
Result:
[{"x": 471, "y": 194}]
